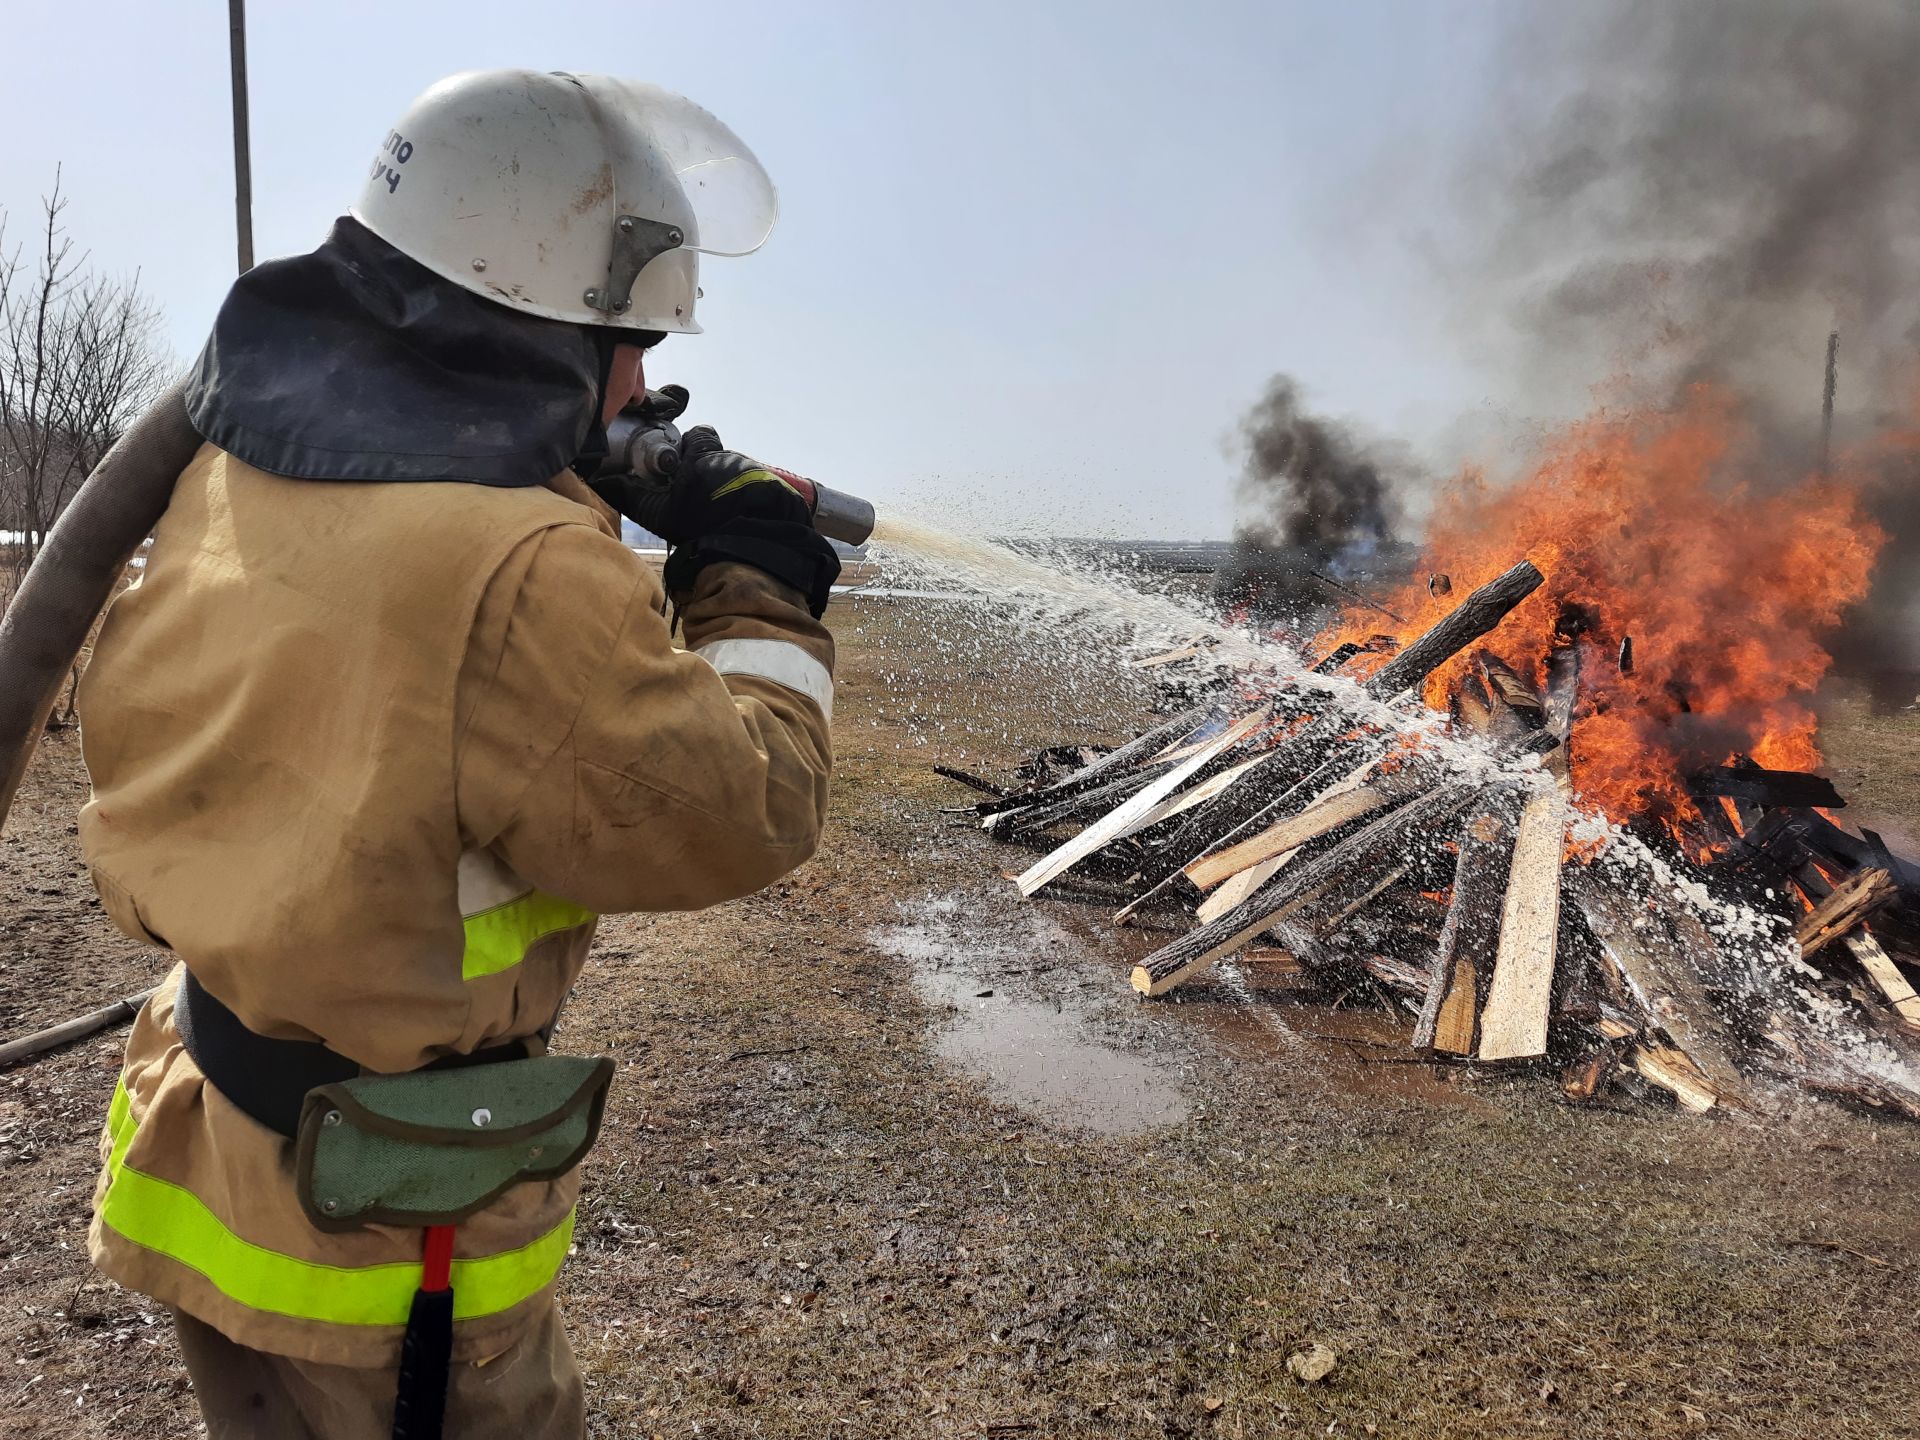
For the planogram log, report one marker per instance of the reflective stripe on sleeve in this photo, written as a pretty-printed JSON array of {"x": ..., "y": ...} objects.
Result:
[
  {"x": 499, "y": 939},
  {"x": 780, "y": 661},
  {"x": 172, "y": 1221}
]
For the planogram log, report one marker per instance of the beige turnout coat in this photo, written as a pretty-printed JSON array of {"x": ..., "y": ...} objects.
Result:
[{"x": 369, "y": 758}]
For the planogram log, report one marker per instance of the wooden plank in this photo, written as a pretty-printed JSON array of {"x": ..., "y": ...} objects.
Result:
[
  {"x": 1511, "y": 689},
  {"x": 1171, "y": 657},
  {"x": 1449, "y": 1021},
  {"x": 1791, "y": 788},
  {"x": 1254, "y": 807},
  {"x": 1196, "y": 795},
  {"x": 1108, "y": 827},
  {"x": 1885, "y": 974},
  {"x": 1373, "y": 892},
  {"x": 1513, "y": 1024},
  {"x": 1248, "y": 880}
]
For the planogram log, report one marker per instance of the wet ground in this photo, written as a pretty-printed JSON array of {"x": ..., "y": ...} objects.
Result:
[
  {"x": 841, "y": 1192},
  {"x": 1063, "y": 1058}
]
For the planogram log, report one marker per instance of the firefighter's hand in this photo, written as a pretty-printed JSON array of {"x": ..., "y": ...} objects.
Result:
[
  {"x": 715, "y": 486},
  {"x": 726, "y": 506}
]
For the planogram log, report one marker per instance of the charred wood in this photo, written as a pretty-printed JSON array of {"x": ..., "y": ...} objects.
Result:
[{"x": 1768, "y": 788}]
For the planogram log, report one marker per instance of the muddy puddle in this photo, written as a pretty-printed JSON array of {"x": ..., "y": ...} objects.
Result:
[{"x": 1062, "y": 1058}]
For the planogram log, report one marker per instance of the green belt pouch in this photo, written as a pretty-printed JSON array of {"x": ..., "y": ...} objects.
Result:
[{"x": 435, "y": 1146}]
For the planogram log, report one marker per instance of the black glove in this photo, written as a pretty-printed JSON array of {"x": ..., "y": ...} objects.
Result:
[
  {"x": 726, "y": 506},
  {"x": 716, "y": 485},
  {"x": 643, "y": 499}
]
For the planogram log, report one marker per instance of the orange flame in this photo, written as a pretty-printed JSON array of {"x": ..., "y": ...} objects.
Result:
[{"x": 1649, "y": 525}]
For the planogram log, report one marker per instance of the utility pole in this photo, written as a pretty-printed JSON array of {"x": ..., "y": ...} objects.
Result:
[
  {"x": 1826, "y": 399},
  {"x": 242, "y": 159}
]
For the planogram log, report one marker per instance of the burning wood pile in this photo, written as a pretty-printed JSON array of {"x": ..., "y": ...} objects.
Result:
[{"x": 1331, "y": 827}]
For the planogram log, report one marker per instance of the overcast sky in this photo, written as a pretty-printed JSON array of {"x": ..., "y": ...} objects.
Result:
[{"x": 1033, "y": 260}]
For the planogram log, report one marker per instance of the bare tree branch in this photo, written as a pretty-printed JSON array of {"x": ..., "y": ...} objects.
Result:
[{"x": 80, "y": 357}]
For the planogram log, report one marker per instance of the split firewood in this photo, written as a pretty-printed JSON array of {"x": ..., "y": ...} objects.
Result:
[
  {"x": 1112, "y": 825},
  {"x": 1513, "y": 1022},
  {"x": 1188, "y": 651},
  {"x": 1582, "y": 1080},
  {"x": 1218, "y": 825},
  {"x": 1506, "y": 685},
  {"x": 1470, "y": 710},
  {"x": 1009, "y": 824},
  {"x": 1328, "y": 813},
  {"x": 1247, "y": 877},
  {"x": 1336, "y": 657},
  {"x": 1195, "y": 795},
  {"x": 1280, "y": 792},
  {"x": 1845, "y": 908},
  {"x": 1332, "y": 923},
  {"x": 1191, "y": 953},
  {"x": 1673, "y": 1072},
  {"x": 1663, "y": 974},
  {"x": 1239, "y": 887},
  {"x": 1449, "y": 1021},
  {"x": 1409, "y": 982}
]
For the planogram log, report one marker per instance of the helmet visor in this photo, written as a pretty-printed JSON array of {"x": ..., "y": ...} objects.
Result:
[{"x": 733, "y": 200}]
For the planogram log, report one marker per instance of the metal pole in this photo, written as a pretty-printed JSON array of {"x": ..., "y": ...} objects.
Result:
[
  {"x": 1826, "y": 399},
  {"x": 242, "y": 159}
]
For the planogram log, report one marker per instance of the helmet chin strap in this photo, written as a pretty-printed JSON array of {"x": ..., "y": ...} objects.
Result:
[{"x": 593, "y": 448}]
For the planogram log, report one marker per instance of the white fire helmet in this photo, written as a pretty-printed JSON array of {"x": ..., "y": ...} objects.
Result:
[{"x": 583, "y": 198}]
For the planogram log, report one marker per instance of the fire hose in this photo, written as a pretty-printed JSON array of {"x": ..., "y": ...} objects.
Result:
[
  {"x": 73, "y": 576},
  {"x": 122, "y": 498}
]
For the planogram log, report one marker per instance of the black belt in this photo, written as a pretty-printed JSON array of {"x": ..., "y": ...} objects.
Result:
[{"x": 268, "y": 1078}]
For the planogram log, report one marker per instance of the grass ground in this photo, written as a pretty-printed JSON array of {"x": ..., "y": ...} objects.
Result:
[{"x": 804, "y": 1220}]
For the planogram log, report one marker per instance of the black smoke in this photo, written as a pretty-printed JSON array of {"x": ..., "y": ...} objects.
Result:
[
  {"x": 1315, "y": 498},
  {"x": 1309, "y": 483}
]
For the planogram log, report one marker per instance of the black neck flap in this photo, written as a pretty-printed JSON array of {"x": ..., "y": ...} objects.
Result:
[{"x": 356, "y": 363}]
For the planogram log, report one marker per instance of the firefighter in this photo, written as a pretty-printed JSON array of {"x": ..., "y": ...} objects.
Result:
[{"x": 391, "y": 716}]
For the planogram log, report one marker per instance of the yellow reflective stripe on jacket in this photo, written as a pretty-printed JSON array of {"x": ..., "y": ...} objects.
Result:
[
  {"x": 175, "y": 1222},
  {"x": 498, "y": 939}
]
